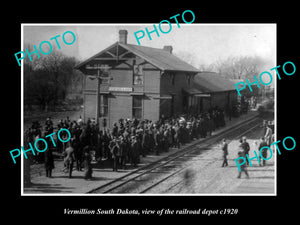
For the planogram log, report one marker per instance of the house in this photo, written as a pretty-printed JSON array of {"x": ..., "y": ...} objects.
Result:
[{"x": 144, "y": 83}]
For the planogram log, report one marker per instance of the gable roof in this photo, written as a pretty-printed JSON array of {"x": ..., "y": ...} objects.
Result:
[
  {"x": 212, "y": 82},
  {"x": 159, "y": 58}
]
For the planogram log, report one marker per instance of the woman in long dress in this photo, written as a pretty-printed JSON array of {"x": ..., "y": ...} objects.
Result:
[{"x": 87, "y": 163}]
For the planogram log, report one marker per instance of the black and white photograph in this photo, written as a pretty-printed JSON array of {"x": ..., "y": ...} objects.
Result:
[{"x": 149, "y": 110}]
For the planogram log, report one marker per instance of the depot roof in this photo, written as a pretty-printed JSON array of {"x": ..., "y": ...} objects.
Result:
[
  {"x": 207, "y": 82},
  {"x": 160, "y": 58}
]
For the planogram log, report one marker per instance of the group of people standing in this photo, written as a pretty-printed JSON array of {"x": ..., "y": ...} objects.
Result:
[
  {"x": 67, "y": 150},
  {"x": 124, "y": 143}
]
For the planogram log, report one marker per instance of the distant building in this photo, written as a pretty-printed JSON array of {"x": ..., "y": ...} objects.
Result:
[
  {"x": 146, "y": 83},
  {"x": 209, "y": 90}
]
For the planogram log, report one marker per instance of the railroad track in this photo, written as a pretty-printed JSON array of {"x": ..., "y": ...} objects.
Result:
[
  {"x": 172, "y": 164},
  {"x": 185, "y": 168}
]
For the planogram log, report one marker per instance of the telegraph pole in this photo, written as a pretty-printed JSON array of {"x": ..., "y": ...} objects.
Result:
[
  {"x": 100, "y": 71},
  {"x": 97, "y": 96}
]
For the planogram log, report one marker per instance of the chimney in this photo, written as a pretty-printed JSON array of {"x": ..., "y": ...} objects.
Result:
[
  {"x": 123, "y": 36},
  {"x": 168, "y": 48}
]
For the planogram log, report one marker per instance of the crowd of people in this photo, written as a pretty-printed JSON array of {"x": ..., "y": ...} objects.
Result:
[{"x": 124, "y": 143}]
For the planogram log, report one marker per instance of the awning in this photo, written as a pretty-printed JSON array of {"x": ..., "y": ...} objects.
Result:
[
  {"x": 196, "y": 93},
  {"x": 104, "y": 92},
  {"x": 203, "y": 95},
  {"x": 137, "y": 93},
  {"x": 192, "y": 91},
  {"x": 94, "y": 92},
  {"x": 167, "y": 97}
]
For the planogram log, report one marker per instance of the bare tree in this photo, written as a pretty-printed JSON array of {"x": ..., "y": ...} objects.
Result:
[
  {"x": 237, "y": 67},
  {"x": 47, "y": 78}
]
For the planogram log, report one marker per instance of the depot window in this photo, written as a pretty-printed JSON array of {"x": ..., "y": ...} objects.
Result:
[{"x": 137, "y": 107}]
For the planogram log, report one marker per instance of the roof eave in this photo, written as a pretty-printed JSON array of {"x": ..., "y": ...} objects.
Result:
[
  {"x": 78, "y": 66},
  {"x": 142, "y": 56},
  {"x": 185, "y": 71}
]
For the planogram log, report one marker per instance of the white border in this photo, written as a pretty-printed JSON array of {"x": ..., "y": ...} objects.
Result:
[{"x": 141, "y": 24}]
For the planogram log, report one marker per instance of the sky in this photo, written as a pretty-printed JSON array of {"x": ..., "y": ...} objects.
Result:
[{"x": 206, "y": 43}]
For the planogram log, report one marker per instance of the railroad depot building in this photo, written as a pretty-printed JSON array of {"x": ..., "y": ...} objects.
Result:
[{"x": 148, "y": 83}]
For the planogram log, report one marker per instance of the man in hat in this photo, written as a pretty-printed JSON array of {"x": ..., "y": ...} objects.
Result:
[
  {"x": 264, "y": 152},
  {"x": 115, "y": 153},
  {"x": 115, "y": 130},
  {"x": 246, "y": 148},
  {"x": 225, "y": 152},
  {"x": 157, "y": 141},
  {"x": 134, "y": 151},
  {"x": 145, "y": 143}
]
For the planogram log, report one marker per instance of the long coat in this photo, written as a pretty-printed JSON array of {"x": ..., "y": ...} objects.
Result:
[
  {"x": 264, "y": 152},
  {"x": 246, "y": 147},
  {"x": 87, "y": 163},
  {"x": 49, "y": 161},
  {"x": 225, "y": 149}
]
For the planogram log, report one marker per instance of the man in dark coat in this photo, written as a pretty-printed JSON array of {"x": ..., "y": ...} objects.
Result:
[
  {"x": 105, "y": 143},
  {"x": 115, "y": 130},
  {"x": 115, "y": 153},
  {"x": 243, "y": 167},
  {"x": 246, "y": 148},
  {"x": 49, "y": 162},
  {"x": 145, "y": 143},
  {"x": 264, "y": 152},
  {"x": 225, "y": 152},
  {"x": 157, "y": 141},
  {"x": 209, "y": 126},
  {"x": 78, "y": 148}
]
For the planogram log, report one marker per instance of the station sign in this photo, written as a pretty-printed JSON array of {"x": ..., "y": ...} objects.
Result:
[{"x": 120, "y": 89}]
